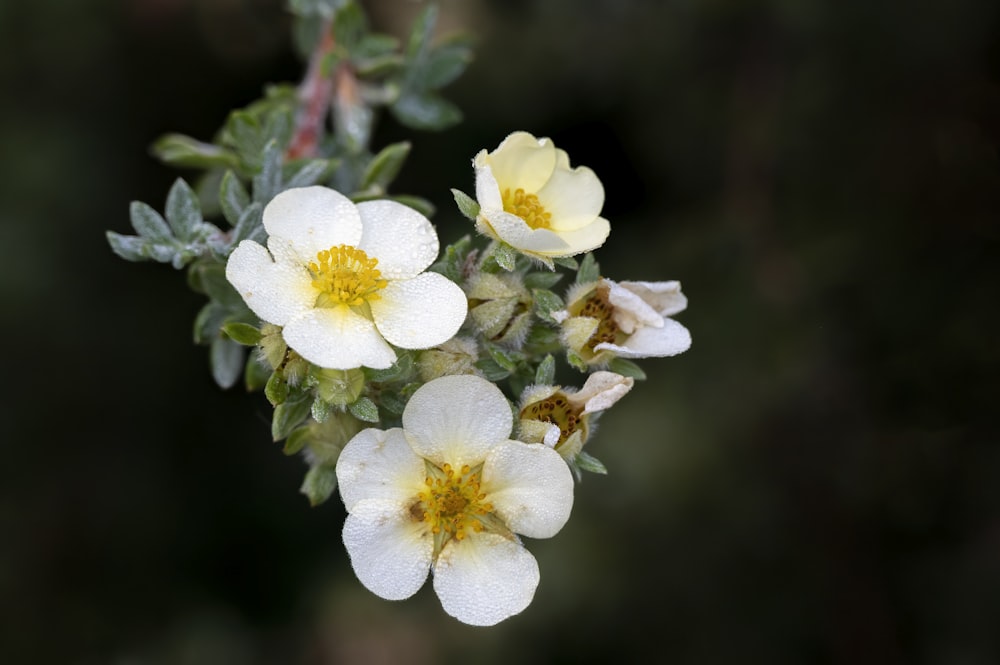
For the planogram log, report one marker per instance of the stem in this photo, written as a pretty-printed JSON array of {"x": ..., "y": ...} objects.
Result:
[{"x": 315, "y": 96}]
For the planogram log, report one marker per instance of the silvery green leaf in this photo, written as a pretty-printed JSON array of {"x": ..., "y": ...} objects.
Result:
[
  {"x": 545, "y": 375},
  {"x": 255, "y": 373},
  {"x": 364, "y": 410},
  {"x": 589, "y": 270},
  {"x": 208, "y": 322},
  {"x": 186, "y": 152},
  {"x": 227, "y": 358},
  {"x": 322, "y": 8},
  {"x": 384, "y": 166},
  {"x": 444, "y": 64},
  {"x": 267, "y": 183},
  {"x": 542, "y": 280},
  {"x": 505, "y": 256},
  {"x": 130, "y": 248},
  {"x": 311, "y": 173},
  {"x": 297, "y": 440},
  {"x": 148, "y": 223},
  {"x": 467, "y": 205},
  {"x": 210, "y": 278},
  {"x": 567, "y": 262},
  {"x": 320, "y": 410},
  {"x": 183, "y": 211},
  {"x": 276, "y": 389},
  {"x": 492, "y": 370},
  {"x": 250, "y": 225},
  {"x": 425, "y": 111},
  {"x": 422, "y": 30},
  {"x": 588, "y": 462},
  {"x": 349, "y": 26},
  {"x": 233, "y": 198},
  {"x": 374, "y": 45},
  {"x": 546, "y": 302}
]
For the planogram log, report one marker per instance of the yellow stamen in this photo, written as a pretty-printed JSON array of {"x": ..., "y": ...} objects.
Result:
[
  {"x": 344, "y": 275},
  {"x": 527, "y": 207},
  {"x": 452, "y": 503}
]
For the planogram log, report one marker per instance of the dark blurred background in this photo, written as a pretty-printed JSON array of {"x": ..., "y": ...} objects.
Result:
[{"x": 815, "y": 481}]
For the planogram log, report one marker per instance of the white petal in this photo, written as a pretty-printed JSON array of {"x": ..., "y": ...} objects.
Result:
[
  {"x": 584, "y": 239},
  {"x": 630, "y": 310},
  {"x": 421, "y": 312},
  {"x": 487, "y": 189},
  {"x": 313, "y": 219},
  {"x": 574, "y": 197},
  {"x": 457, "y": 419},
  {"x": 671, "y": 339},
  {"x": 665, "y": 297},
  {"x": 515, "y": 232},
  {"x": 276, "y": 292},
  {"x": 389, "y": 550},
  {"x": 601, "y": 391},
  {"x": 485, "y": 578},
  {"x": 530, "y": 487},
  {"x": 403, "y": 240},
  {"x": 378, "y": 464},
  {"x": 522, "y": 161},
  {"x": 338, "y": 338}
]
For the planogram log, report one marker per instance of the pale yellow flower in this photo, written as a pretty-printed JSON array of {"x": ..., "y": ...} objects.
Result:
[{"x": 530, "y": 198}]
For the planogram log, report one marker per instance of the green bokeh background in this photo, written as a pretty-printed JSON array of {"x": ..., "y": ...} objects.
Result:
[{"x": 815, "y": 481}]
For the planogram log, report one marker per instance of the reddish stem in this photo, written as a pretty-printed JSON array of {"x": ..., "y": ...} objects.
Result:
[{"x": 315, "y": 97}]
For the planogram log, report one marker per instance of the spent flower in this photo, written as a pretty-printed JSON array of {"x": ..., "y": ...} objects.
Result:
[
  {"x": 607, "y": 319},
  {"x": 449, "y": 492},
  {"x": 530, "y": 198},
  {"x": 345, "y": 281}
]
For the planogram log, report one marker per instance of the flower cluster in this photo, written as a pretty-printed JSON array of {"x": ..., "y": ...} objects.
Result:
[{"x": 421, "y": 384}]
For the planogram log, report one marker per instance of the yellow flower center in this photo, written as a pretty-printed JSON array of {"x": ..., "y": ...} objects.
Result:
[
  {"x": 453, "y": 503},
  {"x": 558, "y": 411},
  {"x": 598, "y": 307},
  {"x": 344, "y": 275},
  {"x": 527, "y": 207}
]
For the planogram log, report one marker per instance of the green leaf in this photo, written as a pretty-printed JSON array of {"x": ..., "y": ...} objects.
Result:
[
  {"x": 504, "y": 359},
  {"x": 545, "y": 375},
  {"x": 267, "y": 183},
  {"x": 322, "y": 8},
  {"x": 401, "y": 369},
  {"x": 233, "y": 198},
  {"x": 250, "y": 225},
  {"x": 505, "y": 256},
  {"x": 319, "y": 483},
  {"x": 311, "y": 173},
  {"x": 208, "y": 322},
  {"x": 186, "y": 152},
  {"x": 375, "y": 45},
  {"x": 577, "y": 361},
  {"x": 149, "y": 224},
  {"x": 364, "y": 409},
  {"x": 377, "y": 66},
  {"x": 130, "y": 248},
  {"x": 421, "y": 205},
  {"x": 320, "y": 410},
  {"x": 588, "y": 462},
  {"x": 210, "y": 278},
  {"x": 445, "y": 64},
  {"x": 627, "y": 368},
  {"x": 546, "y": 302},
  {"x": 467, "y": 205},
  {"x": 425, "y": 111},
  {"x": 297, "y": 440},
  {"x": 384, "y": 167},
  {"x": 589, "y": 271},
  {"x": 492, "y": 370},
  {"x": 288, "y": 415},
  {"x": 255, "y": 373},
  {"x": 349, "y": 25},
  {"x": 542, "y": 280},
  {"x": 421, "y": 32},
  {"x": 241, "y": 333},
  {"x": 567, "y": 262},
  {"x": 227, "y": 359},
  {"x": 276, "y": 389},
  {"x": 183, "y": 210}
]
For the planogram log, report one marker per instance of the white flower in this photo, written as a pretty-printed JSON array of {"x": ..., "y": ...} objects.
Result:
[
  {"x": 561, "y": 417},
  {"x": 344, "y": 281},
  {"x": 605, "y": 319},
  {"x": 531, "y": 199},
  {"x": 448, "y": 492}
]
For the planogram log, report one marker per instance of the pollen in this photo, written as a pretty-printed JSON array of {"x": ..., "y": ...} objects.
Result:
[
  {"x": 527, "y": 207},
  {"x": 345, "y": 275},
  {"x": 558, "y": 411},
  {"x": 453, "y": 502},
  {"x": 598, "y": 307}
]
